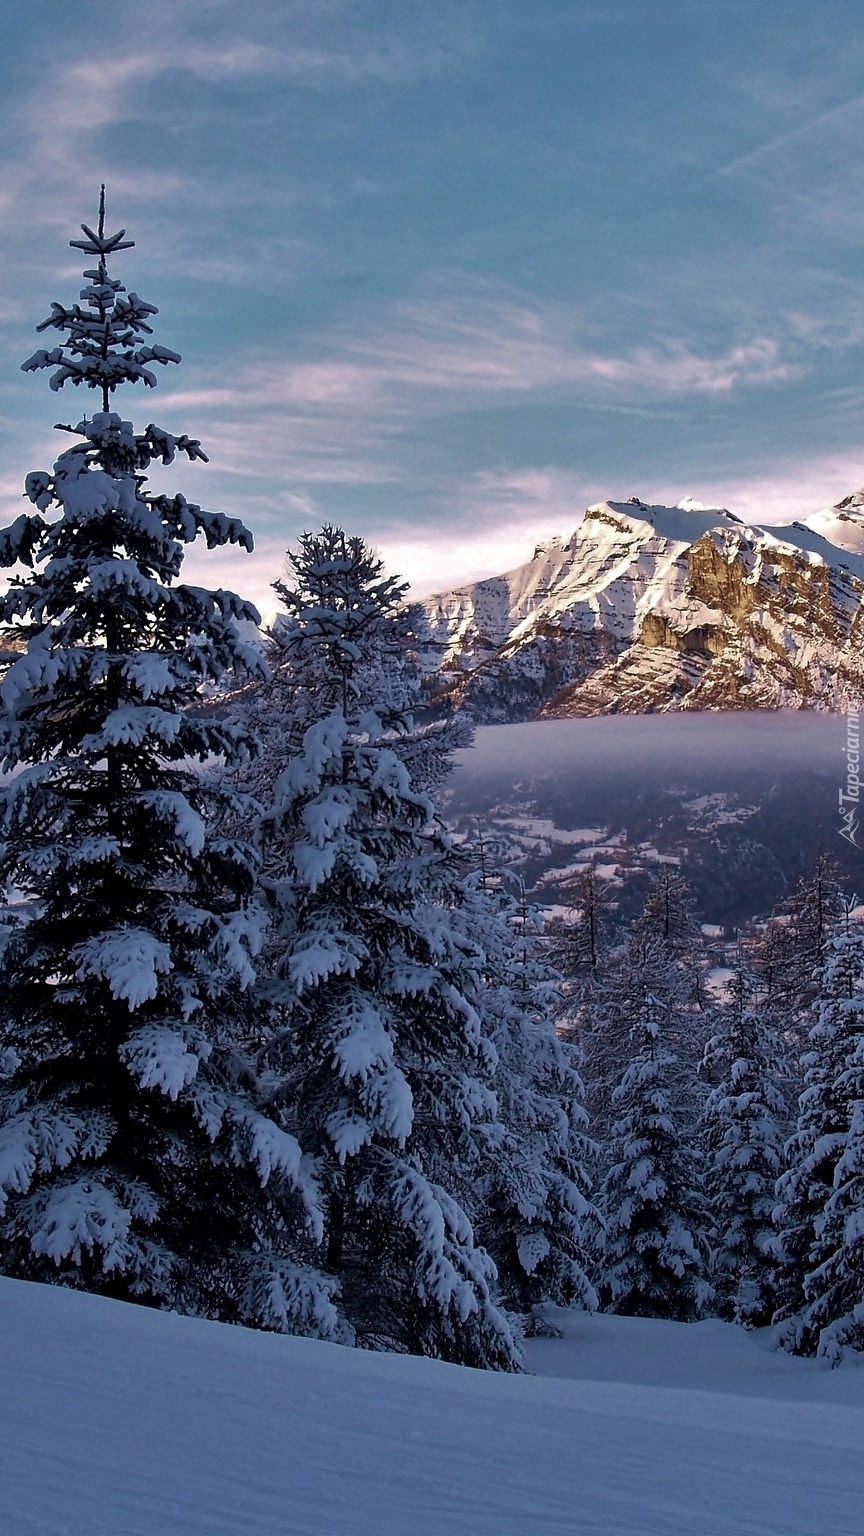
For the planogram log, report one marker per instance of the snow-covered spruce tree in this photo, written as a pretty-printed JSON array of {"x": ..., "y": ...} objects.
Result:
[
  {"x": 834, "y": 1316},
  {"x": 133, "y": 1160},
  {"x": 374, "y": 1056},
  {"x": 668, "y": 917},
  {"x": 657, "y": 1256},
  {"x": 819, "y": 1213},
  {"x": 743, "y": 1131},
  {"x": 662, "y": 955},
  {"x": 792, "y": 950},
  {"x": 301, "y": 684},
  {"x": 579, "y": 948},
  {"x": 529, "y": 1195},
  {"x": 580, "y": 945}
]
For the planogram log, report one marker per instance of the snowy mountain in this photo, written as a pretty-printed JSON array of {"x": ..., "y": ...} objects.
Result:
[
  {"x": 648, "y": 608},
  {"x": 842, "y": 525}
]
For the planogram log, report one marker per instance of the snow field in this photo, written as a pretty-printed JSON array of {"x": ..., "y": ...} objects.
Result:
[{"x": 121, "y": 1421}]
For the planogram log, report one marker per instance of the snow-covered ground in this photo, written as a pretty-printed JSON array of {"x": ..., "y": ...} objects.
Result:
[{"x": 118, "y": 1421}]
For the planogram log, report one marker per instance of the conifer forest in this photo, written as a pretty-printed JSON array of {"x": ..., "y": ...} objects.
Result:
[{"x": 280, "y": 1050}]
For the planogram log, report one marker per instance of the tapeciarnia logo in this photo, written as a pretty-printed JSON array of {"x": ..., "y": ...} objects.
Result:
[{"x": 849, "y": 798}]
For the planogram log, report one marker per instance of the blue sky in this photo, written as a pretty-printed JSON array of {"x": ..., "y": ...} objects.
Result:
[{"x": 448, "y": 272}]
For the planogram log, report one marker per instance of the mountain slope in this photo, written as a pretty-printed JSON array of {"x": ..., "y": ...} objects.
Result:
[{"x": 655, "y": 608}]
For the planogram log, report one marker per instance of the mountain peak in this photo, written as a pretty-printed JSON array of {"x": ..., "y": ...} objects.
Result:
[
  {"x": 648, "y": 607},
  {"x": 842, "y": 524}
]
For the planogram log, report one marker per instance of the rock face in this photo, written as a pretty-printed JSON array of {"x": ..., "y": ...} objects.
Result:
[{"x": 652, "y": 608}]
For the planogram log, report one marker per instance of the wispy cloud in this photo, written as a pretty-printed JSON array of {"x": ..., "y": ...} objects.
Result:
[
  {"x": 58, "y": 132},
  {"x": 495, "y": 346},
  {"x": 500, "y": 515},
  {"x": 341, "y": 415},
  {"x": 807, "y": 118},
  {"x": 845, "y": 117},
  {"x": 489, "y": 528},
  {"x": 549, "y": 497}
]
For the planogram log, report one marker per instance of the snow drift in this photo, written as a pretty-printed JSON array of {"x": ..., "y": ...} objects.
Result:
[{"x": 120, "y": 1421}]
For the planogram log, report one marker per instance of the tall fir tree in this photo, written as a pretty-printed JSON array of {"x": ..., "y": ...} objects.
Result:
[
  {"x": 821, "y": 1193},
  {"x": 657, "y": 1257},
  {"x": 530, "y": 1191},
  {"x": 743, "y": 1132},
  {"x": 375, "y": 1055},
  {"x": 662, "y": 956},
  {"x": 133, "y": 1159},
  {"x": 833, "y": 1320},
  {"x": 580, "y": 947},
  {"x": 668, "y": 920},
  {"x": 790, "y": 954},
  {"x": 581, "y": 943}
]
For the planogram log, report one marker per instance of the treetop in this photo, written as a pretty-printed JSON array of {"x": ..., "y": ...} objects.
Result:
[{"x": 103, "y": 346}]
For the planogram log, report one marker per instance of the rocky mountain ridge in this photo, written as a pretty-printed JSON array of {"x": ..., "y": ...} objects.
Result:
[{"x": 650, "y": 608}]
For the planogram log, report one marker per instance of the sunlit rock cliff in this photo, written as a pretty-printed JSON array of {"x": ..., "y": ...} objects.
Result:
[{"x": 650, "y": 608}]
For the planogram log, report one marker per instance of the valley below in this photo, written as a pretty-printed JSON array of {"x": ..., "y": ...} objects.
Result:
[{"x": 743, "y": 801}]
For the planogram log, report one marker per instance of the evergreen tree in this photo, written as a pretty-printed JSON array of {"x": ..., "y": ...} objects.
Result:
[
  {"x": 375, "y": 1056},
  {"x": 529, "y": 1193},
  {"x": 834, "y": 1317},
  {"x": 821, "y": 1191},
  {"x": 791, "y": 952},
  {"x": 580, "y": 951},
  {"x": 133, "y": 1160},
  {"x": 662, "y": 956},
  {"x": 652, "y": 1200},
  {"x": 668, "y": 921},
  {"x": 581, "y": 944},
  {"x": 742, "y": 1125}
]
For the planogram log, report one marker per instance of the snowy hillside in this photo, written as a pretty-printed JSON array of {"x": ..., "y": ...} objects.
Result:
[
  {"x": 120, "y": 1421},
  {"x": 649, "y": 607}
]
